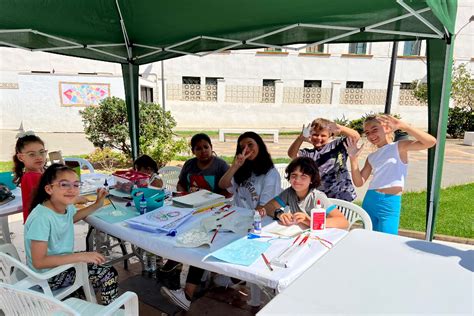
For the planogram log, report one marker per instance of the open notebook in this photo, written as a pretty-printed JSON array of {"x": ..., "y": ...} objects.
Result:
[{"x": 198, "y": 199}]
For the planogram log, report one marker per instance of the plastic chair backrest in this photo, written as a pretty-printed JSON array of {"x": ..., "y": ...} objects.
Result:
[
  {"x": 8, "y": 273},
  {"x": 14, "y": 301},
  {"x": 353, "y": 213},
  {"x": 170, "y": 177},
  {"x": 280, "y": 167},
  {"x": 82, "y": 163}
]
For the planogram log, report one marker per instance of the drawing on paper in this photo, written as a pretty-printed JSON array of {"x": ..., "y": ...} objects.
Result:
[{"x": 83, "y": 94}]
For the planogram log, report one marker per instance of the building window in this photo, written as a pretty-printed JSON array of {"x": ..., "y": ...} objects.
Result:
[
  {"x": 312, "y": 83},
  {"x": 354, "y": 85},
  {"x": 211, "y": 88},
  {"x": 358, "y": 48},
  {"x": 412, "y": 48},
  {"x": 272, "y": 49},
  {"x": 405, "y": 86},
  {"x": 268, "y": 91},
  {"x": 315, "y": 49},
  {"x": 146, "y": 94},
  {"x": 191, "y": 80}
]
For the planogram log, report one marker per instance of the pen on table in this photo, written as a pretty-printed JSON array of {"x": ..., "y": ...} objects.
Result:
[
  {"x": 110, "y": 200},
  {"x": 215, "y": 233},
  {"x": 207, "y": 208},
  {"x": 225, "y": 215},
  {"x": 267, "y": 262}
]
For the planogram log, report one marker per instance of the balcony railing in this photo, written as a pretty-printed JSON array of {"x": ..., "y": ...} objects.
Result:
[
  {"x": 191, "y": 92},
  {"x": 407, "y": 98},
  {"x": 250, "y": 94},
  {"x": 363, "y": 96},
  {"x": 306, "y": 95}
]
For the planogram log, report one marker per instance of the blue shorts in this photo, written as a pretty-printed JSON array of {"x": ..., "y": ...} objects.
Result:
[{"x": 384, "y": 211}]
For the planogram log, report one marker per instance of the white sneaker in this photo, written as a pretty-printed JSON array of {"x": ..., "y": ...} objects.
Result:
[{"x": 176, "y": 297}]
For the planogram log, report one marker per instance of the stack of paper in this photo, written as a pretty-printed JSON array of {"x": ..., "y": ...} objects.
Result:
[
  {"x": 198, "y": 199},
  {"x": 163, "y": 219}
]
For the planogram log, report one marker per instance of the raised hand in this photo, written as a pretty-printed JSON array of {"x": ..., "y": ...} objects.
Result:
[
  {"x": 306, "y": 131},
  {"x": 240, "y": 158},
  {"x": 392, "y": 122},
  {"x": 334, "y": 129},
  {"x": 101, "y": 195},
  {"x": 91, "y": 257},
  {"x": 352, "y": 150}
]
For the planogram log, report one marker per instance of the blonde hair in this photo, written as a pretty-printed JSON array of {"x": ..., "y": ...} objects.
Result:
[
  {"x": 320, "y": 124},
  {"x": 376, "y": 117}
]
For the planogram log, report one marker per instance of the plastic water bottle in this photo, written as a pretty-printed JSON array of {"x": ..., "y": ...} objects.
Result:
[
  {"x": 146, "y": 264},
  {"x": 143, "y": 205},
  {"x": 152, "y": 266},
  {"x": 257, "y": 223}
]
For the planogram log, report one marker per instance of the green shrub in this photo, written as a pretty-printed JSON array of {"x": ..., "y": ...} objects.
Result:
[
  {"x": 106, "y": 126},
  {"x": 459, "y": 121},
  {"x": 109, "y": 160},
  {"x": 342, "y": 121}
]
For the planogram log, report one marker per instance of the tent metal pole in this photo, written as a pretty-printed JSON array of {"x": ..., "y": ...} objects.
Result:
[
  {"x": 163, "y": 85},
  {"x": 391, "y": 77},
  {"x": 133, "y": 121},
  {"x": 434, "y": 184},
  {"x": 403, "y": 33}
]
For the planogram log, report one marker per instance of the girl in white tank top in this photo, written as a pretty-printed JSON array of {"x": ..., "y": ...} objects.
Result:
[{"x": 388, "y": 165}]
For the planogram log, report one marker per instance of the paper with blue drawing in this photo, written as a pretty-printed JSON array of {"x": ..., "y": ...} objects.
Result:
[
  {"x": 116, "y": 214},
  {"x": 243, "y": 251}
]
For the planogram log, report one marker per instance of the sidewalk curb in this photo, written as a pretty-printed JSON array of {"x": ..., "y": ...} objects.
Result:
[{"x": 421, "y": 235}]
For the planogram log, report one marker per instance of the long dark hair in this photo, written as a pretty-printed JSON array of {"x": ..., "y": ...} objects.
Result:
[
  {"x": 260, "y": 165},
  {"x": 18, "y": 166},
  {"x": 145, "y": 162},
  {"x": 48, "y": 177},
  {"x": 307, "y": 166}
]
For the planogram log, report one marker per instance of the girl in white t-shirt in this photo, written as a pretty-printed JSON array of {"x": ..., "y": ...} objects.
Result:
[{"x": 252, "y": 178}]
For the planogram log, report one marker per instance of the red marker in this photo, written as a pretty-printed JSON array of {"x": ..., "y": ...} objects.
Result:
[
  {"x": 225, "y": 215},
  {"x": 267, "y": 262},
  {"x": 215, "y": 233},
  {"x": 303, "y": 240}
]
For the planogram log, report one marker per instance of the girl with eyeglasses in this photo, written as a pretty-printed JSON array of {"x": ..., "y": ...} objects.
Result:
[
  {"x": 28, "y": 166},
  {"x": 49, "y": 233}
]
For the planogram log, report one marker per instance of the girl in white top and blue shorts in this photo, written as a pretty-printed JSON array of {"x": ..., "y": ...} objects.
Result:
[{"x": 388, "y": 165}]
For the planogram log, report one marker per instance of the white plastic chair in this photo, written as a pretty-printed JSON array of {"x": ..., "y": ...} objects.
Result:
[
  {"x": 170, "y": 177},
  {"x": 353, "y": 213},
  {"x": 280, "y": 167},
  {"x": 15, "y": 301},
  {"x": 13, "y": 271},
  {"x": 82, "y": 163}
]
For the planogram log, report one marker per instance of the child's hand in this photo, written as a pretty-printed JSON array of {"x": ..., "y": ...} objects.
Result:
[
  {"x": 352, "y": 150},
  {"x": 101, "y": 194},
  {"x": 240, "y": 158},
  {"x": 91, "y": 257},
  {"x": 333, "y": 129},
  {"x": 300, "y": 217},
  {"x": 392, "y": 122},
  {"x": 262, "y": 211},
  {"x": 286, "y": 219},
  {"x": 306, "y": 131}
]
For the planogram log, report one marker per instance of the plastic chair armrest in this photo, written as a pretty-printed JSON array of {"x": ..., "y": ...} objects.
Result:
[{"x": 128, "y": 299}]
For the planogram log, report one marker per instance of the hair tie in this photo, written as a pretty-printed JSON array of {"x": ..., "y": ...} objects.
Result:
[{"x": 24, "y": 134}]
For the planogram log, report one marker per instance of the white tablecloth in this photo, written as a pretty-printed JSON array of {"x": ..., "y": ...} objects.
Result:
[
  {"x": 371, "y": 273},
  {"x": 258, "y": 272}
]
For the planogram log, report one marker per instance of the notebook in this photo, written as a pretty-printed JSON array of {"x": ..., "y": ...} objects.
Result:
[{"x": 198, "y": 199}]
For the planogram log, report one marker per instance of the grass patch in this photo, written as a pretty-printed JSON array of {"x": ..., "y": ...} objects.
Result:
[
  {"x": 6, "y": 166},
  {"x": 455, "y": 216}
]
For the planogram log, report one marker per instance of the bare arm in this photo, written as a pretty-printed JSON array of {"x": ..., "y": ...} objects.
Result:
[
  {"x": 226, "y": 180},
  {"x": 41, "y": 260},
  {"x": 86, "y": 211},
  {"x": 269, "y": 208},
  {"x": 335, "y": 219},
  {"x": 349, "y": 132},
  {"x": 295, "y": 146},
  {"x": 358, "y": 176},
  {"x": 180, "y": 187}
]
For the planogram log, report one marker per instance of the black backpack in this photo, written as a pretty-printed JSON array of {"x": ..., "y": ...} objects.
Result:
[{"x": 5, "y": 194}]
